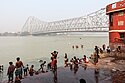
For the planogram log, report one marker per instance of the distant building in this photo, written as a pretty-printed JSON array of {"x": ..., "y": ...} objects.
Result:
[{"x": 116, "y": 12}]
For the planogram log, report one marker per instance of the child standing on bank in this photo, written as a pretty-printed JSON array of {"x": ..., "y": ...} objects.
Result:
[
  {"x": 10, "y": 72},
  {"x": 25, "y": 70},
  {"x": 31, "y": 70}
]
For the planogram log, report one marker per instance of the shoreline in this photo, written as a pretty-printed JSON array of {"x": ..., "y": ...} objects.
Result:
[
  {"x": 111, "y": 70},
  {"x": 65, "y": 75}
]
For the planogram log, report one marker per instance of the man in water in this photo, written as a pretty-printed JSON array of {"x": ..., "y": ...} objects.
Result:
[
  {"x": 42, "y": 65},
  {"x": 19, "y": 66},
  {"x": 10, "y": 72},
  {"x": 54, "y": 54},
  {"x": 66, "y": 60},
  {"x": 54, "y": 64},
  {"x": 1, "y": 68}
]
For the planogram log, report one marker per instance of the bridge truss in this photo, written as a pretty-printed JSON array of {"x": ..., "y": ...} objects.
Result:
[{"x": 96, "y": 21}]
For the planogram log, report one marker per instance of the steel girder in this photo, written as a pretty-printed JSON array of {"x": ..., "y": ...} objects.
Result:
[{"x": 96, "y": 21}]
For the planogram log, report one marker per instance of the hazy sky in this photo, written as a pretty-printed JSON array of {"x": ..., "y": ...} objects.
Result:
[{"x": 14, "y": 13}]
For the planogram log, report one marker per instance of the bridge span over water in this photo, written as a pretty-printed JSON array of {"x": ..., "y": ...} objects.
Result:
[{"x": 93, "y": 22}]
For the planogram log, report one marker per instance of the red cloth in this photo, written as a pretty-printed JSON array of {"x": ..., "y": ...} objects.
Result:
[
  {"x": 54, "y": 62},
  {"x": 11, "y": 69}
]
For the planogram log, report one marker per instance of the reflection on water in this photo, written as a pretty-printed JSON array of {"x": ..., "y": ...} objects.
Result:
[
  {"x": 1, "y": 76},
  {"x": 85, "y": 66},
  {"x": 75, "y": 70},
  {"x": 96, "y": 75},
  {"x": 55, "y": 77}
]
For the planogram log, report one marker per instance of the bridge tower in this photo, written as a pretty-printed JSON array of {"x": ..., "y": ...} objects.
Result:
[{"x": 116, "y": 12}]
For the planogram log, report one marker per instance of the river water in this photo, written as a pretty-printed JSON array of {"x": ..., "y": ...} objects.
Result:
[{"x": 33, "y": 48}]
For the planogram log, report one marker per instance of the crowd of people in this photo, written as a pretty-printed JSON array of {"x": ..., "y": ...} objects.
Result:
[
  {"x": 20, "y": 70},
  {"x": 98, "y": 50},
  {"x": 77, "y": 46},
  {"x": 74, "y": 62}
]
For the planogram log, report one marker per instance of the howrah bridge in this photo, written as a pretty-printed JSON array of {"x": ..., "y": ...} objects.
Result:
[{"x": 93, "y": 22}]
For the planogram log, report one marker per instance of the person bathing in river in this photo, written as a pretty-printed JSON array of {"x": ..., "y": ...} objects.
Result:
[
  {"x": 19, "y": 66},
  {"x": 1, "y": 68},
  {"x": 54, "y": 64},
  {"x": 25, "y": 70},
  {"x": 103, "y": 47},
  {"x": 101, "y": 51},
  {"x": 81, "y": 46},
  {"x": 42, "y": 65},
  {"x": 31, "y": 70},
  {"x": 54, "y": 54},
  {"x": 49, "y": 66},
  {"x": 95, "y": 58},
  {"x": 71, "y": 63},
  {"x": 75, "y": 63},
  {"x": 85, "y": 59},
  {"x": 66, "y": 60},
  {"x": 50, "y": 63},
  {"x": 10, "y": 72},
  {"x": 97, "y": 51},
  {"x": 77, "y": 46},
  {"x": 108, "y": 49}
]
